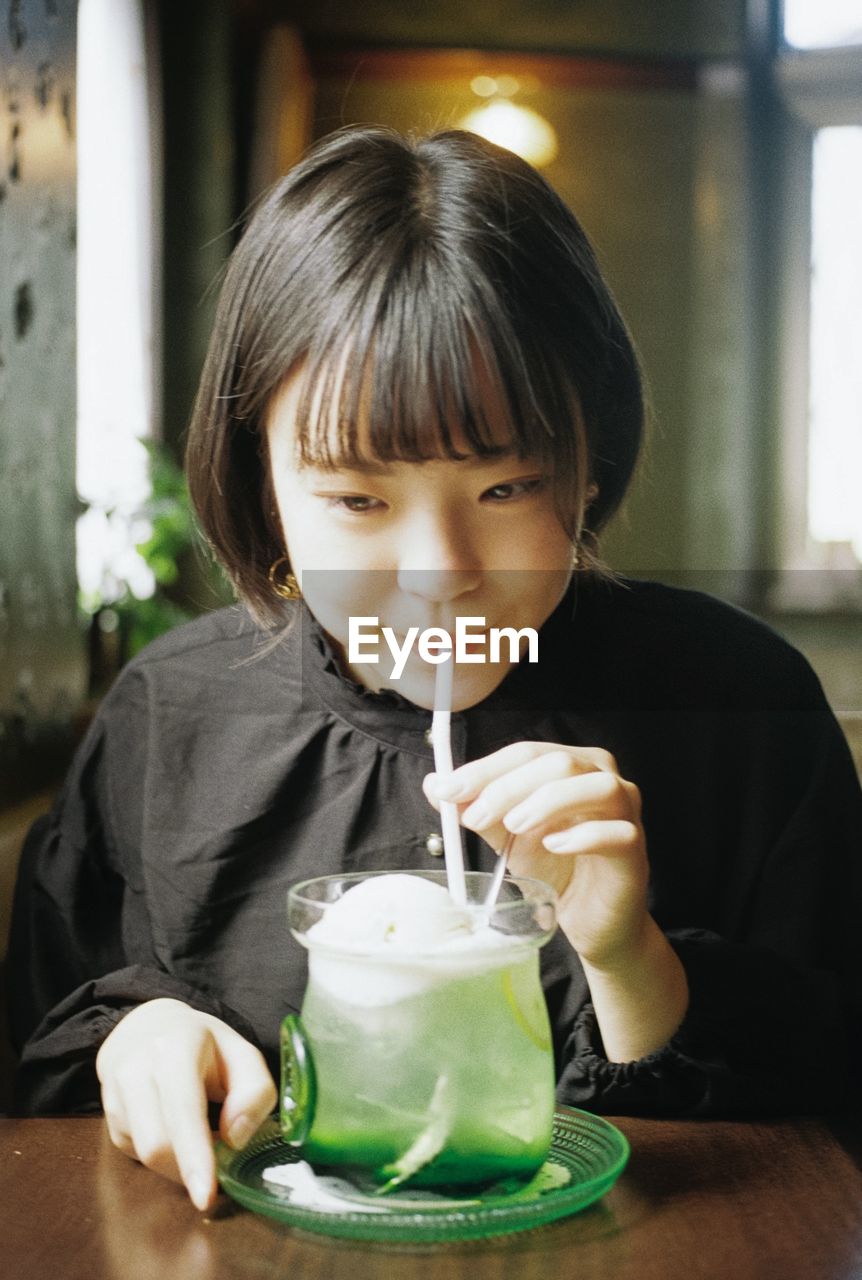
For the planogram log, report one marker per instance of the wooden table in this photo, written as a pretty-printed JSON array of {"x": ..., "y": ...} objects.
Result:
[{"x": 750, "y": 1201}]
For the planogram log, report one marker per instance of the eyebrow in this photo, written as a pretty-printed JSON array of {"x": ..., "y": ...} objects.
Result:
[{"x": 374, "y": 467}]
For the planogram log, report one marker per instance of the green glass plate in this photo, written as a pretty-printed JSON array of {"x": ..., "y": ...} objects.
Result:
[{"x": 587, "y": 1156}]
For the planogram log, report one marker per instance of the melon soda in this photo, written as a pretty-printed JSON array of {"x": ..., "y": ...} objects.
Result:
[{"x": 423, "y": 1052}]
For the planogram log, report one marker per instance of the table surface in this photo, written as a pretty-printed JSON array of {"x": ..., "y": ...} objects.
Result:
[{"x": 754, "y": 1201}]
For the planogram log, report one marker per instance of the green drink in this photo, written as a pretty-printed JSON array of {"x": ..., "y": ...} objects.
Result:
[{"x": 427, "y": 1028}]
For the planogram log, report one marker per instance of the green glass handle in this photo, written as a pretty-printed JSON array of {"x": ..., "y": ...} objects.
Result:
[{"x": 298, "y": 1082}]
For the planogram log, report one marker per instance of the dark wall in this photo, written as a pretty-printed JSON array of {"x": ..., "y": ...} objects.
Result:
[
  {"x": 199, "y": 70},
  {"x": 711, "y": 28},
  {"x": 42, "y": 670}
]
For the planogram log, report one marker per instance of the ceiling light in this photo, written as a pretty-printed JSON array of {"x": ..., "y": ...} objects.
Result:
[{"x": 517, "y": 128}]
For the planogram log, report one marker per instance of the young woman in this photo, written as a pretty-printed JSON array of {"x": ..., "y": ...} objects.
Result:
[{"x": 421, "y": 403}]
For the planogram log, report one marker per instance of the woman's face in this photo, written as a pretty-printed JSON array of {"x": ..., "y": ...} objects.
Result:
[{"x": 418, "y": 544}]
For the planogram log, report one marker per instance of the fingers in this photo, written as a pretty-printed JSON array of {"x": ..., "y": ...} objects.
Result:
[
  {"x": 115, "y": 1119},
  {"x": 465, "y": 783},
  {"x": 569, "y": 800},
  {"x": 594, "y": 837},
  {"x": 159, "y": 1068},
  {"x": 250, "y": 1092},
  {"x": 183, "y": 1100},
  {"x": 156, "y": 1112},
  {"x": 562, "y": 802},
  {"x": 548, "y": 792}
]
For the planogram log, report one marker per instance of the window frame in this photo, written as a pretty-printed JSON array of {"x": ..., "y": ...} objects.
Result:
[{"x": 813, "y": 89}]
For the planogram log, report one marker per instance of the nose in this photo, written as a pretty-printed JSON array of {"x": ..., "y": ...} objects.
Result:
[
  {"x": 437, "y": 586},
  {"x": 437, "y": 561}
]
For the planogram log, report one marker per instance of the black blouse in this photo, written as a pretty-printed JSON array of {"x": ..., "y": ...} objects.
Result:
[{"x": 222, "y": 768}]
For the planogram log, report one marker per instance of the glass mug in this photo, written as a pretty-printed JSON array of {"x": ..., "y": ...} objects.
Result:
[{"x": 437, "y": 1068}]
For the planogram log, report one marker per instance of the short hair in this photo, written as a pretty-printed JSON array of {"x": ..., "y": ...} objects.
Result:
[{"x": 402, "y": 274}]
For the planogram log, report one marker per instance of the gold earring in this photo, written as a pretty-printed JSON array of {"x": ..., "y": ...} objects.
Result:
[{"x": 285, "y": 587}]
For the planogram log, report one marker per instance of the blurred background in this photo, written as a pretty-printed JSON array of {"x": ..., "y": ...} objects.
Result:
[{"x": 713, "y": 152}]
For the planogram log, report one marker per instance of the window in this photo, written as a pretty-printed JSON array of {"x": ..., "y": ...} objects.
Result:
[
  {"x": 817, "y": 24},
  {"x": 835, "y": 342},
  {"x": 117, "y": 294},
  {"x": 819, "y": 79}
]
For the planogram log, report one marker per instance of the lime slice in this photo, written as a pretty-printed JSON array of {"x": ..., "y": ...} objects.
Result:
[
  {"x": 531, "y": 1015},
  {"x": 423, "y": 1149}
]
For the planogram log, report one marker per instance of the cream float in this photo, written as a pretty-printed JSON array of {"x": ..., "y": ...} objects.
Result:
[{"x": 423, "y": 1051}]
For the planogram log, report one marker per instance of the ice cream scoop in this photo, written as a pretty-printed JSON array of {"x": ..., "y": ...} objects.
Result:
[
  {"x": 394, "y": 914},
  {"x": 409, "y": 932}
]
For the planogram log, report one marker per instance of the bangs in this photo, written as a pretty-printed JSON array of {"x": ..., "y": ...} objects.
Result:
[{"x": 406, "y": 374}]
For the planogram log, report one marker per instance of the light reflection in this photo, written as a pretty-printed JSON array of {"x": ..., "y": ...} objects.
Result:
[
  {"x": 515, "y": 127},
  {"x": 835, "y": 421},
  {"x": 148, "y": 1229},
  {"x": 824, "y": 24},
  {"x": 116, "y": 300}
]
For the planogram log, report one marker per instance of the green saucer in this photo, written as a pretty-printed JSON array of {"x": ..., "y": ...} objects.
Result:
[{"x": 587, "y": 1156}]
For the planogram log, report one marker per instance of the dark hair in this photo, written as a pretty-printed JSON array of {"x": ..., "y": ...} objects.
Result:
[{"x": 404, "y": 274}]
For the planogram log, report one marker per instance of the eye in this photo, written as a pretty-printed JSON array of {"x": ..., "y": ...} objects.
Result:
[
  {"x": 355, "y": 503},
  {"x": 512, "y": 490}
]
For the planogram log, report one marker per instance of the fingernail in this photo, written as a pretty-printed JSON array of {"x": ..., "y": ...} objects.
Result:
[
  {"x": 240, "y": 1131},
  {"x": 518, "y": 820},
  {"x": 199, "y": 1189},
  {"x": 476, "y": 816},
  {"x": 554, "y": 843}
]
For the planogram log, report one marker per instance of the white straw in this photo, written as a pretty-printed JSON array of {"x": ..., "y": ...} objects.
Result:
[
  {"x": 441, "y": 740},
  {"x": 499, "y": 871}
]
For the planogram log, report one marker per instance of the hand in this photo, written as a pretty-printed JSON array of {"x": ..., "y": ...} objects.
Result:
[
  {"x": 159, "y": 1068},
  {"x": 578, "y": 827},
  {"x": 578, "y": 824}
]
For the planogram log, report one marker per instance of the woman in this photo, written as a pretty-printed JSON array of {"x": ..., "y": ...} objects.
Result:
[{"x": 421, "y": 403}]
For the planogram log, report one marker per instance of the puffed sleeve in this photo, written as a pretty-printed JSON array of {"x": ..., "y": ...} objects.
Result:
[
  {"x": 80, "y": 951},
  {"x": 774, "y": 1018}
]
